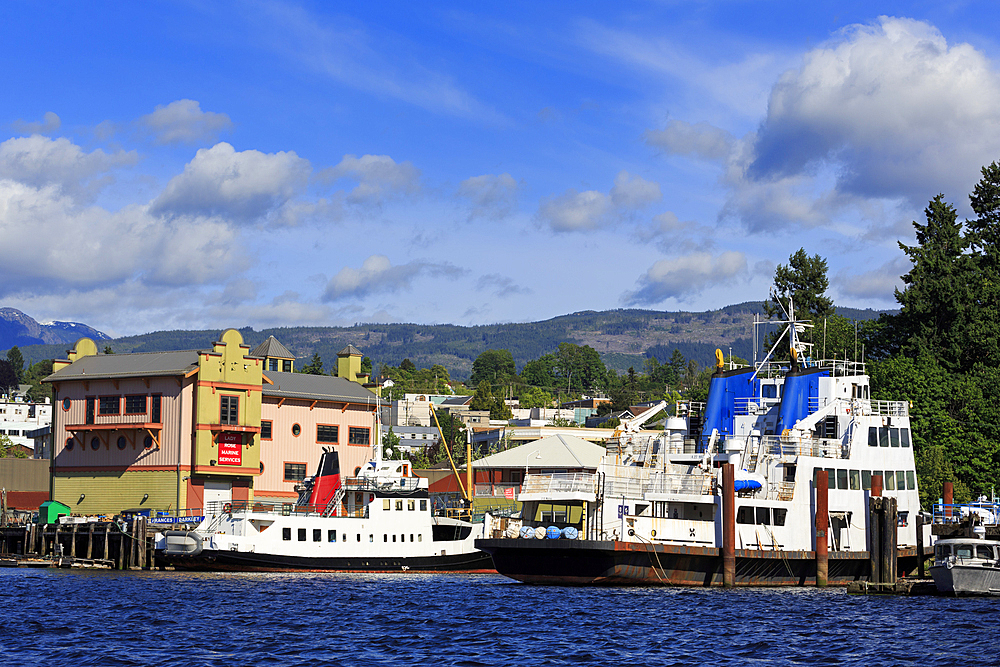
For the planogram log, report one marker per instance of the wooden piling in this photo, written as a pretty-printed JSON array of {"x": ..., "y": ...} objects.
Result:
[
  {"x": 875, "y": 532},
  {"x": 729, "y": 525},
  {"x": 107, "y": 553},
  {"x": 920, "y": 546},
  {"x": 949, "y": 499},
  {"x": 889, "y": 523},
  {"x": 72, "y": 544},
  {"x": 90, "y": 540},
  {"x": 822, "y": 528}
]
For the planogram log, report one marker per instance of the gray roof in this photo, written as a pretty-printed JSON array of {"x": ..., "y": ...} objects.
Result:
[
  {"x": 457, "y": 400},
  {"x": 100, "y": 366},
  {"x": 555, "y": 451},
  {"x": 272, "y": 348},
  {"x": 317, "y": 388},
  {"x": 350, "y": 350}
]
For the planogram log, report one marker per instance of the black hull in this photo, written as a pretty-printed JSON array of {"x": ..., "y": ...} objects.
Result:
[
  {"x": 234, "y": 561},
  {"x": 594, "y": 563}
]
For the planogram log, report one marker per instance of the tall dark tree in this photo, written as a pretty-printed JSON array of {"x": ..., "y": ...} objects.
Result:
[
  {"x": 8, "y": 378},
  {"x": 804, "y": 279},
  {"x": 937, "y": 301},
  {"x": 16, "y": 360},
  {"x": 408, "y": 366}
]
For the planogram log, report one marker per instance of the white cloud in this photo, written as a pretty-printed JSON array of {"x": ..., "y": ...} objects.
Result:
[
  {"x": 879, "y": 283},
  {"x": 183, "y": 121},
  {"x": 698, "y": 139},
  {"x": 684, "y": 277},
  {"x": 243, "y": 186},
  {"x": 39, "y": 161},
  {"x": 379, "y": 177},
  {"x": 634, "y": 192},
  {"x": 591, "y": 209},
  {"x": 378, "y": 275},
  {"x": 490, "y": 195},
  {"x": 50, "y": 123},
  {"x": 891, "y": 108},
  {"x": 48, "y": 242}
]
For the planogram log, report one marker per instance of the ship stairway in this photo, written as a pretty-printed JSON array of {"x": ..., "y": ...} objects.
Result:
[
  {"x": 786, "y": 490},
  {"x": 334, "y": 504},
  {"x": 752, "y": 455}
]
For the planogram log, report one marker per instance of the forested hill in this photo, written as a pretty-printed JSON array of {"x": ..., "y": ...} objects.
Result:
[{"x": 623, "y": 338}]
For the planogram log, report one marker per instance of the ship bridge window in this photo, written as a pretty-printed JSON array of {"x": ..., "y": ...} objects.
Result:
[
  {"x": 963, "y": 550},
  {"x": 854, "y": 477},
  {"x": 779, "y": 516},
  {"x": 894, "y": 437},
  {"x": 842, "y": 479},
  {"x": 889, "y": 480},
  {"x": 901, "y": 480},
  {"x": 302, "y": 534},
  {"x": 331, "y": 536},
  {"x": 904, "y": 436},
  {"x": 866, "y": 480},
  {"x": 872, "y": 436},
  {"x": 911, "y": 481},
  {"x": 399, "y": 505},
  {"x": 411, "y": 505},
  {"x": 286, "y": 534},
  {"x": 984, "y": 551},
  {"x": 423, "y": 505},
  {"x": 317, "y": 535},
  {"x": 744, "y": 515},
  {"x": 763, "y": 515},
  {"x": 883, "y": 436}
]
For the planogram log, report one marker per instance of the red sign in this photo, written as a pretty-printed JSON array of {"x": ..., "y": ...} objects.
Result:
[
  {"x": 230, "y": 449},
  {"x": 508, "y": 493}
]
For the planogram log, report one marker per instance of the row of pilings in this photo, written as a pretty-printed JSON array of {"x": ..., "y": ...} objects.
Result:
[
  {"x": 120, "y": 545},
  {"x": 882, "y": 525}
]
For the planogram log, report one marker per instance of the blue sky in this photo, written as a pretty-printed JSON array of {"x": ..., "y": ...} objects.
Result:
[{"x": 206, "y": 165}]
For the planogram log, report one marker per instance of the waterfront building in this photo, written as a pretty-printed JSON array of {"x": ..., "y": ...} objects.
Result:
[
  {"x": 25, "y": 422},
  {"x": 175, "y": 430}
]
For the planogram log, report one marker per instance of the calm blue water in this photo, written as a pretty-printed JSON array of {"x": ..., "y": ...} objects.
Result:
[{"x": 53, "y": 617}]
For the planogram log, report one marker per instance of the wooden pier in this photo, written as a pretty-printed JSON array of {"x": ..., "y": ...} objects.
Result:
[{"x": 115, "y": 545}]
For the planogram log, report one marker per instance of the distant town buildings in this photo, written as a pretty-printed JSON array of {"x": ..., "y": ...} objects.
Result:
[{"x": 25, "y": 423}]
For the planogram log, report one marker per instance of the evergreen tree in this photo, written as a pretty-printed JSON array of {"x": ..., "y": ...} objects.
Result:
[
  {"x": 804, "y": 279},
  {"x": 16, "y": 361},
  {"x": 493, "y": 366},
  {"x": 936, "y": 301},
  {"x": 314, "y": 367}
]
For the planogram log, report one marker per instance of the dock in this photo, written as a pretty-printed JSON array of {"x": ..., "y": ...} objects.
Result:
[{"x": 116, "y": 545}]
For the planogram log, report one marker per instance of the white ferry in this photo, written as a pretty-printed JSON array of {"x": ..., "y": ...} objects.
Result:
[
  {"x": 380, "y": 520},
  {"x": 652, "y": 513}
]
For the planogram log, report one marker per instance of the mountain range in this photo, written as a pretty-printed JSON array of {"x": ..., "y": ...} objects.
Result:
[{"x": 623, "y": 338}]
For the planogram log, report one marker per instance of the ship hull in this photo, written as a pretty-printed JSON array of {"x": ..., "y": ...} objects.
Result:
[
  {"x": 596, "y": 563},
  {"x": 235, "y": 561}
]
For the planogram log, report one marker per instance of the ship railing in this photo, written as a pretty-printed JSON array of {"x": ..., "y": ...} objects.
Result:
[
  {"x": 986, "y": 513},
  {"x": 382, "y": 483},
  {"x": 509, "y": 491},
  {"x": 837, "y": 367},
  {"x": 754, "y": 405},
  {"x": 685, "y": 484},
  {"x": 788, "y": 448},
  {"x": 625, "y": 480},
  {"x": 222, "y": 510},
  {"x": 560, "y": 482}
]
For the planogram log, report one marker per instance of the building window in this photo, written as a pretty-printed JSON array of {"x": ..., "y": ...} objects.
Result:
[
  {"x": 95, "y": 444},
  {"x": 111, "y": 405},
  {"x": 295, "y": 472},
  {"x": 326, "y": 433},
  {"x": 122, "y": 442},
  {"x": 286, "y": 366},
  {"x": 135, "y": 405},
  {"x": 296, "y": 430},
  {"x": 265, "y": 430},
  {"x": 272, "y": 365},
  {"x": 66, "y": 404},
  {"x": 148, "y": 442},
  {"x": 69, "y": 443},
  {"x": 154, "y": 409},
  {"x": 357, "y": 435},
  {"x": 229, "y": 408}
]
